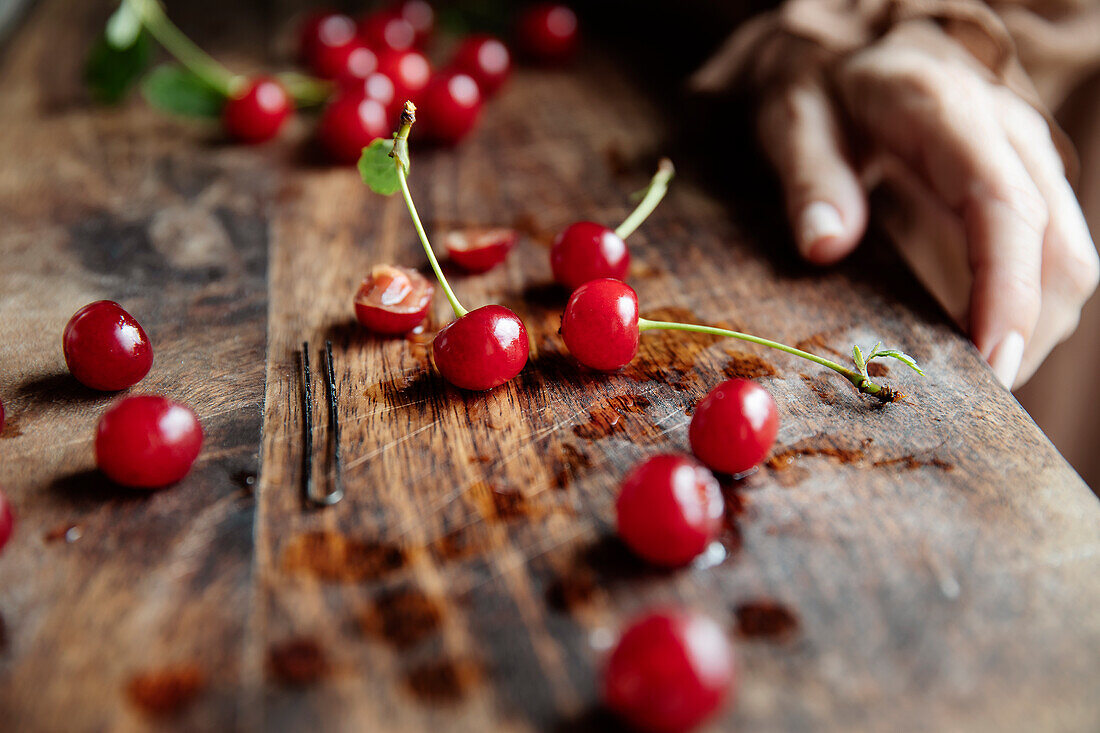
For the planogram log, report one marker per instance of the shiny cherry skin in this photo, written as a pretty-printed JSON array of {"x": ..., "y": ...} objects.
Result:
[
  {"x": 420, "y": 16},
  {"x": 669, "y": 510},
  {"x": 734, "y": 426},
  {"x": 376, "y": 86},
  {"x": 349, "y": 123},
  {"x": 386, "y": 30},
  {"x": 670, "y": 671},
  {"x": 586, "y": 251},
  {"x": 449, "y": 107},
  {"x": 482, "y": 349},
  {"x": 326, "y": 42},
  {"x": 360, "y": 64},
  {"x": 600, "y": 324},
  {"x": 486, "y": 59},
  {"x": 410, "y": 73},
  {"x": 147, "y": 442},
  {"x": 393, "y": 300},
  {"x": 258, "y": 112},
  {"x": 106, "y": 348},
  {"x": 548, "y": 33},
  {"x": 7, "y": 521},
  {"x": 479, "y": 249}
]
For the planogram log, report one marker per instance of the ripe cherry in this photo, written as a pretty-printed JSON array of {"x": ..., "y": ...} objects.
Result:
[
  {"x": 670, "y": 671},
  {"x": 481, "y": 349},
  {"x": 385, "y": 30},
  {"x": 669, "y": 509},
  {"x": 600, "y": 324},
  {"x": 734, "y": 426},
  {"x": 105, "y": 348},
  {"x": 7, "y": 521},
  {"x": 420, "y": 16},
  {"x": 257, "y": 112},
  {"x": 360, "y": 64},
  {"x": 393, "y": 300},
  {"x": 450, "y": 106},
  {"x": 375, "y": 86},
  {"x": 479, "y": 249},
  {"x": 349, "y": 123},
  {"x": 147, "y": 442},
  {"x": 486, "y": 59},
  {"x": 586, "y": 250},
  {"x": 409, "y": 71},
  {"x": 325, "y": 42},
  {"x": 548, "y": 33}
]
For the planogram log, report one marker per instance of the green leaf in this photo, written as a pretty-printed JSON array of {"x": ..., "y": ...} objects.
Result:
[
  {"x": 174, "y": 89},
  {"x": 378, "y": 169},
  {"x": 903, "y": 358},
  {"x": 110, "y": 72},
  {"x": 123, "y": 27},
  {"x": 857, "y": 357}
]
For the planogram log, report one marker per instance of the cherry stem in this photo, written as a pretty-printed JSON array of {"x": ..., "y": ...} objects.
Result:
[
  {"x": 408, "y": 117},
  {"x": 861, "y": 382},
  {"x": 658, "y": 186}
]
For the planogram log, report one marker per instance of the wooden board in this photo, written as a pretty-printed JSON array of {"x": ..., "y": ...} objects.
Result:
[{"x": 926, "y": 565}]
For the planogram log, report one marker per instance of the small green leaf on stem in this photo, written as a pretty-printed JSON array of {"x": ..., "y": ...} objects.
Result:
[
  {"x": 857, "y": 357},
  {"x": 123, "y": 27},
  {"x": 174, "y": 89},
  {"x": 900, "y": 356},
  {"x": 378, "y": 168},
  {"x": 111, "y": 72}
]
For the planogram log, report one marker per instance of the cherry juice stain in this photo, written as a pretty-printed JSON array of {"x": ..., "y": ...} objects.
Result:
[
  {"x": 743, "y": 365},
  {"x": 912, "y": 463},
  {"x": 817, "y": 446},
  {"x": 297, "y": 662},
  {"x": 878, "y": 369},
  {"x": 822, "y": 387},
  {"x": 402, "y": 617},
  {"x": 766, "y": 619},
  {"x": 69, "y": 532},
  {"x": 568, "y": 463},
  {"x": 334, "y": 557},
  {"x": 166, "y": 691},
  {"x": 443, "y": 681},
  {"x": 608, "y": 418}
]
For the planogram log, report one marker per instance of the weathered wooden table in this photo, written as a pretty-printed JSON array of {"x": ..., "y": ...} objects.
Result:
[{"x": 929, "y": 565}]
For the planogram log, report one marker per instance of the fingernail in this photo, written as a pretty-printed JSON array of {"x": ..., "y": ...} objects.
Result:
[
  {"x": 1006, "y": 358},
  {"x": 819, "y": 221}
]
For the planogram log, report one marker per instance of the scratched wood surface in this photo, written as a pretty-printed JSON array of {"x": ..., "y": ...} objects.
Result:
[{"x": 923, "y": 566}]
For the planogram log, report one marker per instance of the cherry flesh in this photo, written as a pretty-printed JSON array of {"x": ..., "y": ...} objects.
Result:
[
  {"x": 669, "y": 509},
  {"x": 548, "y": 33},
  {"x": 482, "y": 349},
  {"x": 393, "y": 300},
  {"x": 486, "y": 60},
  {"x": 409, "y": 71},
  {"x": 7, "y": 521},
  {"x": 349, "y": 123},
  {"x": 478, "y": 249},
  {"x": 385, "y": 30},
  {"x": 420, "y": 16},
  {"x": 670, "y": 671},
  {"x": 600, "y": 324},
  {"x": 147, "y": 442},
  {"x": 449, "y": 107},
  {"x": 587, "y": 251},
  {"x": 326, "y": 42},
  {"x": 734, "y": 426},
  {"x": 105, "y": 347},
  {"x": 256, "y": 114}
]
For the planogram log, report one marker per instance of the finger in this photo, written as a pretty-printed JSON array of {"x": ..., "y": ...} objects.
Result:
[
  {"x": 825, "y": 204},
  {"x": 1070, "y": 267}
]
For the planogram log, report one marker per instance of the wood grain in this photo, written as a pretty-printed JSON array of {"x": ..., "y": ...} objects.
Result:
[{"x": 927, "y": 565}]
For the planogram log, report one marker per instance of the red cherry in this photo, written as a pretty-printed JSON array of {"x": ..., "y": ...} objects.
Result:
[
  {"x": 105, "y": 348},
  {"x": 409, "y": 71},
  {"x": 600, "y": 324},
  {"x": 147, "y": 442},
  {"x": 258, "y": 112},
  {"x": 327, "y": 39},
  {"x": 420, "y": 16},
  {"x": 359, "y": 64},
  {"x": 375, "y": 86},
  {"x": 478, "y": 249},
  {"x": 349, "y": 123},
  {"x": 586, "y": 251},
  {"x": 486, "y": 59},
  {"x": 548, "y": 33},
  {"x": 482, "y": 349},
  {"x": 393, "y": 300},
  {"x": 449, "y": 107},
  {"x": 386, "y": 30},
  {"x": 669, "y": 509},
  {"x": 670, "y": 671},
  {"x": 7, "y": 521},
  {"x": 734, "y": 426}
]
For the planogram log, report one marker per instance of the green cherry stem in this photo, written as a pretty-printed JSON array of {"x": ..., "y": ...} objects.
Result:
[
  {"x": 197, "y": 61},
  {"x": 658, "y": 186},
  {"x": 400, "y": 156},
  {"x": 861, "y": 382}
]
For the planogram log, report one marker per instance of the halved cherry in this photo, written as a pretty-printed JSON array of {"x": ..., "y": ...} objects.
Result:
[
  {"x": 393, "y": 300},
  {"x": 479, "y": 249}
]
